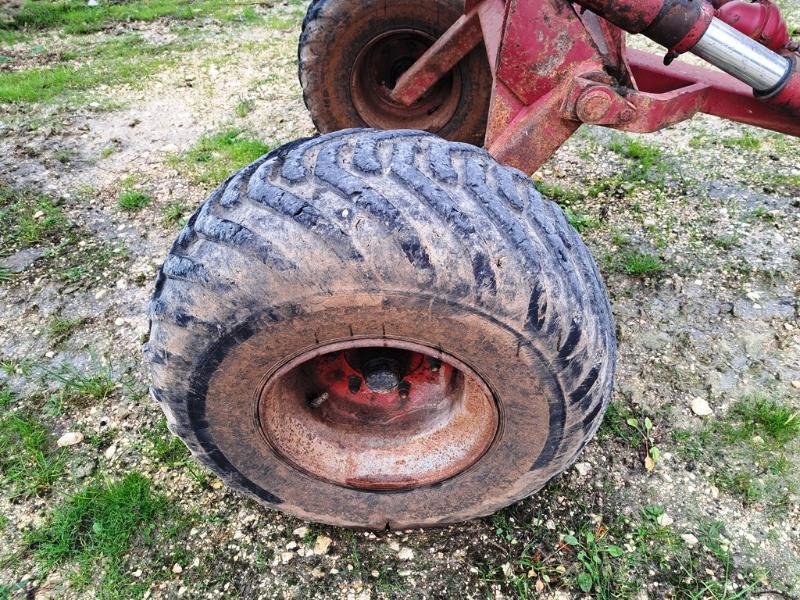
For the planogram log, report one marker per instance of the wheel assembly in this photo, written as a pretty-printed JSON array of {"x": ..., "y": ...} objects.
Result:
[
  {"x": 381, "y": 329},
  {"x": 352, "y": 53}
]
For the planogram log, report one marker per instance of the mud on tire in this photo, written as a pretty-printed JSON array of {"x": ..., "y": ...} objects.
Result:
[{"x": 394, "y": 235}]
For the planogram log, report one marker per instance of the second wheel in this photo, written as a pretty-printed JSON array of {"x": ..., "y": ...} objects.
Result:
[{"x": 351, "y": 54}]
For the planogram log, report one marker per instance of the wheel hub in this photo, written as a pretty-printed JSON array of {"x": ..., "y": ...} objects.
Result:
[
  {"x": 375, "y": 72},
  {"x": 378, "y": 415}
]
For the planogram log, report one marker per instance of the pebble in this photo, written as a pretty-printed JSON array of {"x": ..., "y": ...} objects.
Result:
[
  {"x": 796, "y": 384},
  {"x": 689, "y": 539},
  {"x": 70, "y": 439},
  {"x": 300, "y": 531},
  {"x": 322, "y": 544},
  {"x": 665, "y": 520},
  {"x": 110, "y": 451},
  {"x": 583, "y": 468},
  {"x": 701, "y": 408},
  {"x": 405, "y": 554},
  {"x": 286, "y": 557},
  {"x": 177, "y": 569}
]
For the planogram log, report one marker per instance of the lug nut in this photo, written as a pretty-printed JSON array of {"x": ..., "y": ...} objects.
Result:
[{"x": 403, "y": 389}]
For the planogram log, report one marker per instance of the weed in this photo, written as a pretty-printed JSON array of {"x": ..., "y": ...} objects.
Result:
[
  {"x": 645, "y": 432},
  {"x": 646, "y": 155},
  {"x": 80, "y": 389},
  {"x": 639, "y": 263},
  {"x": 244, "y": 108},
  {"x": 746, "y": 141},
  {"x": 6, "y": 396},
  {"x": 28, "y": 219},
  {"x": 214, "y": 157},
  {"x": 29, "y": 464},
  {"x": 765, "y": 215},
  {"x": 5, "y": 274},
  {"x": 173, "y": 214},
  {"x": 97, "y": 523},
  {"x": 775, "y": 423},
  {"x": 580, "y": 222},
  {"x": 62, "y": 327},
  {"x": 561, "y": 195},
  {"x": 166, "y": 448},
  {"x": 615, "y": 426},
  {"x": 595, "y": 556},
  {"x": 132, "y": 199},
  {"x": 726, "y": 241}
]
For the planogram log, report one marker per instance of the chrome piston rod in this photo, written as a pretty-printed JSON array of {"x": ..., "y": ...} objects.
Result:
[{"x": 744, "y": 58}]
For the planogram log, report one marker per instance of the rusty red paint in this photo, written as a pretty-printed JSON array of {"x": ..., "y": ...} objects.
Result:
[
  {"x": 761, "y": 21},
  {"x": 325, "y": 414},
  {"x": 438, "y": 60},
  {"x": 555, "y": 67}
]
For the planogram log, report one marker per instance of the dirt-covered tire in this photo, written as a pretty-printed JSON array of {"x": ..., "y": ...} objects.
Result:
[
  {"x": 351, "y": 52},
  {"x": 403, "y": 238}
]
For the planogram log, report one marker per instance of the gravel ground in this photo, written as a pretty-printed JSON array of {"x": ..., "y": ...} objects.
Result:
[{"x": 712, "y": 328}]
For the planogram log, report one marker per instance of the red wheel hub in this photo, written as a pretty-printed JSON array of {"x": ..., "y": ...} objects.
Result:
[{"x": 378, "y": 414}]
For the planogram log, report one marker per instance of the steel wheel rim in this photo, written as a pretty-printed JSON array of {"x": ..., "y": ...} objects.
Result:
[
  {"x": 375, "y": 71},
  {"x": 432, "y": 421}
]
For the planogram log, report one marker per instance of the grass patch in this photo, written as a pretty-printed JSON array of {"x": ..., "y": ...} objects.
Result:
[
  {"x": 244, "y": 108},
  {"x": 28, "y": 219},
  {"x": 75, "y": 16},
  {"x": 746, "y": 141},
  {"x": 126, "y": 59},
  {"x": 61, "y": 328},
  {"x": 639, "y": 263},
  {"x": 29, "y": 463},
  {"x": 97, "y": 526},
  {"x": 561, "y": 195},
  {"x": 131, "y": 200},
  {"x": 215, "y": 157},
  {"x": 82, "y": 389},
  {"x": 174, "y": 214},
  {"x": 748, "y": 449},
  {"x": 646, "y": 156},
  {"x": 580, "y": 221}
]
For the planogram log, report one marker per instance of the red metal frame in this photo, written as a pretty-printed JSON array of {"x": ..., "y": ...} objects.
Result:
[{"x": 558, "y": 64}]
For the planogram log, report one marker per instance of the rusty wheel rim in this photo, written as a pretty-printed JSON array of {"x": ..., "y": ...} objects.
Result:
[
  {"x": 378, "y": 414},
  {"x": 375, "y": 72}
]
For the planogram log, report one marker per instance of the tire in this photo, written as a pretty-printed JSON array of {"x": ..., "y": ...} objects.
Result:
[
  {"x": 351, "y": 51},
  {"x": 399, "y": 237}
]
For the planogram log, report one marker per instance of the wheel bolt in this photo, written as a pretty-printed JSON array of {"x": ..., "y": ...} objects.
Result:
[{"x": 403, "y": 389}]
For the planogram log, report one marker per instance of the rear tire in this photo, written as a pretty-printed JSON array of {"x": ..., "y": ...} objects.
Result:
[
  {"x": 397, "y": 239},
  {"x": 352, "y": 51}
]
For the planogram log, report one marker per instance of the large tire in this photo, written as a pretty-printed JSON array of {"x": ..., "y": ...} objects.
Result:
[
  {"x": 350, "y": 52},
  {"x": 397, "y": 236}
]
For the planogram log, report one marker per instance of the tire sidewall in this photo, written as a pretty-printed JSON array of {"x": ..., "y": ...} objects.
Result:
[{"x": 227, "y": 384}]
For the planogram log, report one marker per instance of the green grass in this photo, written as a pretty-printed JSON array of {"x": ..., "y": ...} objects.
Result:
[
  {"x": 639, "y": 263},
  {"x": 29, "y": 462},
  {"x": 82, "y": 389},
  {"x": 75, "y": 16},
  {"x": 131, "y": 200},
  {"x": 645, "y": 155},
  {"x": 6, "y": 396},
  {"x": 28, "y": 219},
  {"x": 748, "y": 448},
  {"x": 580, "y": 221},
  {"x": 174, "y": 214},
  {"x": 60, "y": 328},
  {"x": 561, "y": 195},
  {"x": 97, "y": 526},
  {"x": 243, "y": 108},
  {"x": 124, "y": 59},
  {"x": 746, "y": 141},
  {"x": 215, "y": 157}
]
